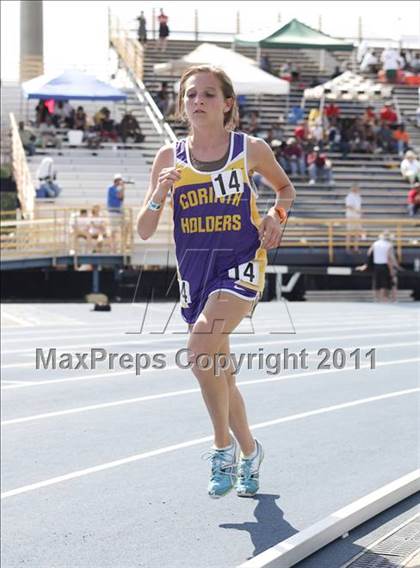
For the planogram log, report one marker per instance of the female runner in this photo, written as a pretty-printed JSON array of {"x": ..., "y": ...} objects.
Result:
[{"x": 221, "y": 245}]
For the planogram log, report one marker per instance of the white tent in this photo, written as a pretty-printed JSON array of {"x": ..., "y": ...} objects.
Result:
[
  {"x": 349, "y": 86},
  {"x": 246, "y": 76}
]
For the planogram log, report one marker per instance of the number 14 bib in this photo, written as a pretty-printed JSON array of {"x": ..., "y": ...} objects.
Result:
[{"x": 228, "y": 182}]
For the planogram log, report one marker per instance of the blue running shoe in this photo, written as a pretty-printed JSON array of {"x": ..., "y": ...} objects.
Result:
[
  {"x": 223, "y": 470},
  {"x": 247, "y": 482}
]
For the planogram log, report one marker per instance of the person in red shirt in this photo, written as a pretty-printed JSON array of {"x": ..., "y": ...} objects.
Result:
[
  {"x": 388, "y": 114},
  {"x": 369, "y": 116},
  {"x": 301, "y": 132},
  {"x": 332, "y": 112},
  {"x": 413, "y": 200},
  {"x": 319, "y": 167}
]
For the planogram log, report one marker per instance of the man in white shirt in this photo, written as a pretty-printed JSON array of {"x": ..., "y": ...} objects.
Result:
[
  {"x": 353, "y": 215},
  {"x": 410, "y": 167},
  {"x": 391, "y": 61},
  {"x": 46, "y": 175},
  {"x": 383, "y": 259}
]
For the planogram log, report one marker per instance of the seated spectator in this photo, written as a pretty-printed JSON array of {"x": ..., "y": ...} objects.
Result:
[
  {"x": 385, "y": 139},
  {"x": 253, "y": 124},
  {"x": 334, "y": 138},
  {"x": 301, "y": 132},
  {"x": 79, "y": 229},
  {"x": 108, "y": 127},
  {"x": 98, "y": 229},
  {"x": 319, "y": 167},
  {"x": 294, "y": 72},
  {"x": 48, "y": 134},
  {"x": 370, "y": 139},
  {"x": 68, "y": 115},
  {"x": 59, "y": 115},
  {"x": 46, "y": 175},
  {"x": 130, "y": 128},
  {"x": 403, "y": 139},
  {"x": 369, "y": 116},
  {"x": 295, "y": 115},
  {"x": 93, "y": 137},
  {"x": 370, "y": 63},
  {"x": 387, "y": 114},
  {"x": 28, "y": 139},
  {"x": 413, "y": 200},
  {"x": 415, "y": 64},
  {"x": 100, "y": 116},
  {"x": 316, "y": 133},
  {"x": 410, "y": 167},
  {"x": 332, "y": 111},
  {"x": 42, "y": 111},
  {"x": 294, "y": 158},
  {"x": 162, "y": 98},
  {"x": 285, "y": 71},
  {"x": 357, "y": 136},
  {"x": 80, "y": 119},
  {"x": 265, "y": 64}
]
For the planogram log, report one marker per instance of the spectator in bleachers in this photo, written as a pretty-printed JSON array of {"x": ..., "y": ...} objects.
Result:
[
  {"x": 80, "y": 119},
  {"x": 402, "y": 138},
  {"x": 108, "y": 127},
  {"x": 415, "y": 64},
  {"x": 265, "y": 64},
  {"x": 93, "y": 137},
  {"x": 48, "y": 134},
  {"x": 142, "y": 28},
  {"x": 130, "y": 128},
  {"x": 385, "y": 139},
  {"x": 253, "y": 126},
  {"x": 353, "y": 204},
  {"x": 99, "y": 117},
  {"x": 98, "y": 229},
  {"x": 410, "y": 167},
  {"x": 59, "y": 115},
  {"x": 79, "y": 229},
  {"x": 162, "y": 98},
  {"x": 295, "y": 72},
  {"x": 319, "y": 167},
  {"x": 369, "y": 116},
  {"x": 163, "y": 30},
  {"x": 332, "y": 111},
  {"x": 370, "y": 63},
  {"x": 285, "y": 71},
  {"x": 294, "y": 158},
  {"x": 334, "y": 137},
  {"x": 413, "y": 200},
  {"x": 46, "y": 175},
  {"x": 391, "y": 62},
  {"x": 387, "y": 114},
  {"x": 41, "y": 112},
  {"x": 28, "y": 139},
  {"x": 301, "y": 132}
]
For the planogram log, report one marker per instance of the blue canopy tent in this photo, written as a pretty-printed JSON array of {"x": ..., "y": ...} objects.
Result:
[{"x": 71, "y": 85}]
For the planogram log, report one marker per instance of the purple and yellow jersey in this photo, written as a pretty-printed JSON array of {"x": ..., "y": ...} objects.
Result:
[{"x": 215, "y": 224}]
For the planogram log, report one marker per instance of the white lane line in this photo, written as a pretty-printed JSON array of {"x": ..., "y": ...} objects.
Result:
[
  {"x": 17, "y": 365},
  {"x": 15, "y": 319},
  {"x": 197, "y": 441},
  {"x": 15, "y": 382},
  {"x": 183, "y": 392},
  {"x": 111, "y": 374},
  {"x": 259, "y": 327},
  {"x": 280, "y": 337}
]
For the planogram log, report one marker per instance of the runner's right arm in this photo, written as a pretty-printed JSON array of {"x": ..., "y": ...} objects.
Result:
[{"x": 162, "y": 177}]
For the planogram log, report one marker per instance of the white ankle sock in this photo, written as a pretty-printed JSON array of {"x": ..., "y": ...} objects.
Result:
[
  {"x": 225, "y": 448},
  {"x": 253, "y": 454}
]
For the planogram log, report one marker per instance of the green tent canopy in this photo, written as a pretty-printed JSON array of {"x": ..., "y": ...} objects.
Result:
[{"x": 296, "y": 35}]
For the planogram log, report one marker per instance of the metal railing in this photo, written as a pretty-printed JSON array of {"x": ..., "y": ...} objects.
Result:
[
  {"x": 330, "y": 234},
  {"x": 54, "y": 232},
  {"x": 131, "y": 54},
  {"x": 21, "y": 173},
  {"x": 51, "y": 234}
]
